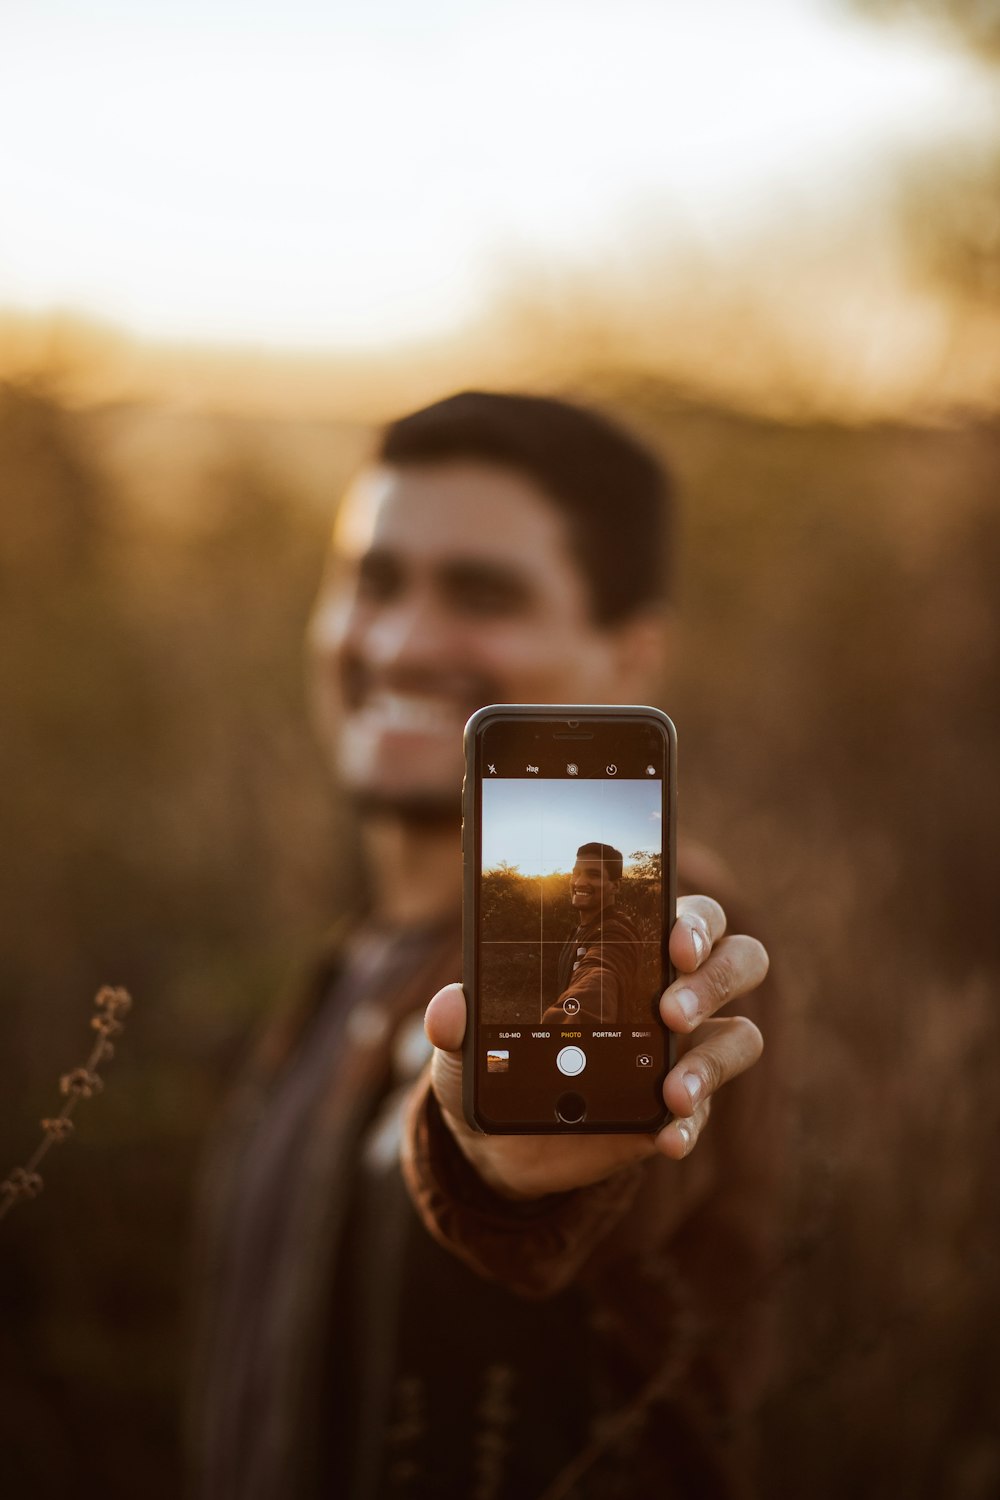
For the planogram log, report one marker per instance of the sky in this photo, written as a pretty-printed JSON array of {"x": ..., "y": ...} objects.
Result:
[
  {"x": 539, "y": 825},
  {"x": 340, "y": 176}
]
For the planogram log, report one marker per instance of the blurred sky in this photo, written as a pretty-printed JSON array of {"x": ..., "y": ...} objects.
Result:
[
  {"x": 339, "y": 175},
  {"x": 539, "y": 825}
]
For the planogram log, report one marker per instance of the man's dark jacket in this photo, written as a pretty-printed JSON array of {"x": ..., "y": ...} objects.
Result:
[{"x": 674, "y": 1261}]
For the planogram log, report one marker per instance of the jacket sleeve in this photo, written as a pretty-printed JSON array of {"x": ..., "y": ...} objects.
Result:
[
  {"x": 717, "y": 1212},
  {"x": 534, "y": 1248},
  {"x": 603, "y": 981}
]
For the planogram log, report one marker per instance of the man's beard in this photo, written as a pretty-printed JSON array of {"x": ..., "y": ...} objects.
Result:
[{"x": 417, "y": 809}]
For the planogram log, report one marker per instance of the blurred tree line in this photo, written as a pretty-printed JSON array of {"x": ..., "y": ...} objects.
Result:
[
  {"x": 974, "y": 24},
  {"x": 518, "y": 907},
  {"x": 166, "y": 825},
  {"x": 947, "y": 201}
]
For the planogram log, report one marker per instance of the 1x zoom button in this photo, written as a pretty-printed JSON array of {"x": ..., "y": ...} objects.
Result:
[{"x": 571, "y": 1061}]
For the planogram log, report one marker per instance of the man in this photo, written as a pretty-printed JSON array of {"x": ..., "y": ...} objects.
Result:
[
  {"x": 520, "y": 1318},
  {"x": 599, "y": 962}
]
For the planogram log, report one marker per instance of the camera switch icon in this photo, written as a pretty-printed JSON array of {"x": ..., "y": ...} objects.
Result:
[{"x": 644, "y": 1060}]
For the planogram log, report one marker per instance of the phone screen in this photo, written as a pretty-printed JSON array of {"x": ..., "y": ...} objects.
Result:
[{"x": 573, "y": 892}]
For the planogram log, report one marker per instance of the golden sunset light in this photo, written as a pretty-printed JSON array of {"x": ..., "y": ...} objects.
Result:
[{"x": 350, "y": 176}]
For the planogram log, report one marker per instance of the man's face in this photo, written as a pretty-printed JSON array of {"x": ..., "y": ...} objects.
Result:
[
  {"x": 449, "y": 586},
  {"x": 591, "y": 887}
]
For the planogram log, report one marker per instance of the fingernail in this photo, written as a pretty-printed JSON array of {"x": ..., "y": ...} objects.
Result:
[
  {"x": 684, "y": 1131},
  {"x": 692, "y": 1083},
  {"x": 687, "y": 1001},
  {"x": 698, "y": 942}
]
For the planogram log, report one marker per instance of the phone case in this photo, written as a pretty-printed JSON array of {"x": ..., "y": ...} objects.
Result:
[{"x": 470, "y": 812}]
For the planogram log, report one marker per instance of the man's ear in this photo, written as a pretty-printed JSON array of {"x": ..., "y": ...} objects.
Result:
[{"x": 644, "y": 648}]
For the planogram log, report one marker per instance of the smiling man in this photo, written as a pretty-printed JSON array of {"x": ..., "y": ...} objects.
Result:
[
  {"x": 599, "y": 962},
  {"x": 394, "y": 1304},
  {"x": 594, "y": 881}
]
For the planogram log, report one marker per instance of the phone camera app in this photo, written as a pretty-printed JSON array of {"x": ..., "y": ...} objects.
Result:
[{"x": 570, "y": 900}]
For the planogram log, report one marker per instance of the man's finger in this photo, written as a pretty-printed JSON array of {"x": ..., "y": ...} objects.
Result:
[
  {"x": 722, "y": 1050},
  {"x": 681, "y": 1135},
  {"x": 701, "y": 922},
  {"x": 735, "y": 966},
  {"x": 444, "y": 1019}
]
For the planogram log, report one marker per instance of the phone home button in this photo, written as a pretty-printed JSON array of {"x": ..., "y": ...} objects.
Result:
[{"x": 571, "y": 1109}]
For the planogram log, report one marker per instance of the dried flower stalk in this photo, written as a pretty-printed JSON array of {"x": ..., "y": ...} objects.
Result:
[{"x": 111, "y": 1005}]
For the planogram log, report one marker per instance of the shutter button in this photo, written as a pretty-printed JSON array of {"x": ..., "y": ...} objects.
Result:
[{"x": 571, "y": 1061}]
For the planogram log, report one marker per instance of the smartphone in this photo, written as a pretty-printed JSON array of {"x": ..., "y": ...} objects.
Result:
[{"x": 568, "y": 841}]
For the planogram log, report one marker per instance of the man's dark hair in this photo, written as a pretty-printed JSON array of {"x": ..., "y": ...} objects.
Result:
[
  {"x": 611, "y": 858},
  {"x": 615, "y": 495}
]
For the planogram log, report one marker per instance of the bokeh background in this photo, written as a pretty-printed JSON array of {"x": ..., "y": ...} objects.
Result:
[{"x": 768, "y": 237}]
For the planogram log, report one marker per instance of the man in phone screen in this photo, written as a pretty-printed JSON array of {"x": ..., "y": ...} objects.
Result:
[
  {"x": 599, "y": 962},
  {"x": 393, "y": 1304}
]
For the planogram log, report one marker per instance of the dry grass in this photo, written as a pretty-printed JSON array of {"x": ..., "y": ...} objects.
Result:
[{"x": 111, "y": 1005}]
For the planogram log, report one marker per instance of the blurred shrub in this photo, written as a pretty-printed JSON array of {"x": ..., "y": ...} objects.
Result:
[{"x": 974, "y": 24}]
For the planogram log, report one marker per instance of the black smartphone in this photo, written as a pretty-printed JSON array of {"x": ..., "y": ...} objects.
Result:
[{"x": 569, "y": 898}]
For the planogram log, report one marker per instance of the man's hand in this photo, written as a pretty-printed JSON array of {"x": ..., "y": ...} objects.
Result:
[{"x": 712, "y": 969}]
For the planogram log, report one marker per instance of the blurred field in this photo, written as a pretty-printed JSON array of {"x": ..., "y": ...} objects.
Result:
[{"x": 166, "y": 825}]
